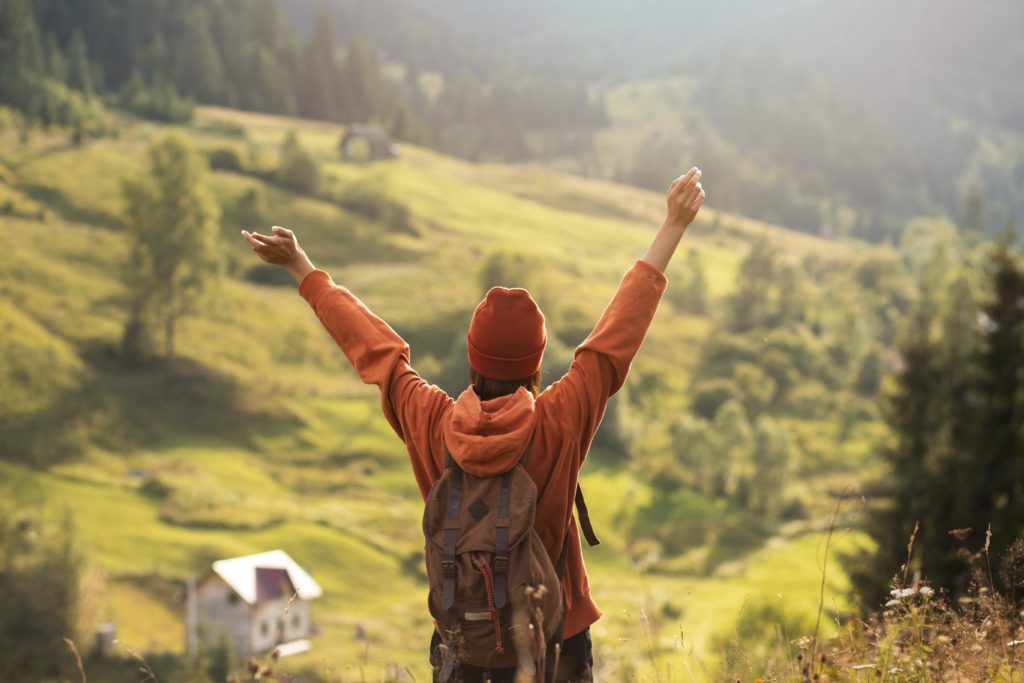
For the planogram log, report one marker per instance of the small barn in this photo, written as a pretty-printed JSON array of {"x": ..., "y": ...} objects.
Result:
[
  {"x": 367, "y": 143},
  {"x": 258, "y": 601}
]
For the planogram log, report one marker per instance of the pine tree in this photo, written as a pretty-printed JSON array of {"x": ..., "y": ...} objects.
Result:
[
  {"x": 56, "y": 64},
  {"x": 172, "y": 223},
  {"x": 201, "y": 73},
  {"x": 319, "y": 91},
  {"x": 933, "y": 414},
  {"x": 21, "y": 57},
  {"x": 79, "y": 69},
  {"x": 996, "y": 482},
  {"x": 364, "y": 93},
  {"x": 914, "y": 414}
]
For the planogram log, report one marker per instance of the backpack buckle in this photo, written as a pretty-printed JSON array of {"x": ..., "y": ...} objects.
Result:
[
  {"x": 500, "y": 563},
  {"x": 448, "y": 568}
]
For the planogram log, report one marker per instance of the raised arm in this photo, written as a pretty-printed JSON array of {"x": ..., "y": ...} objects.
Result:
[
  {"x": 374, "y": 350},
  {"x": 685, "y": 197},
  {"x": 602, "y": 361}
]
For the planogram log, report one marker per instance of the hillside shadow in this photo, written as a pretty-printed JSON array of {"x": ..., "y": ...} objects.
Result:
[
  {"x": 58, "y": 202},
  {"x": 122, "y": 409}
]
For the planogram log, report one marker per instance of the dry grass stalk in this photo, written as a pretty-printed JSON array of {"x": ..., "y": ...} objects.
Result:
[{"x": 78, "y": 659}]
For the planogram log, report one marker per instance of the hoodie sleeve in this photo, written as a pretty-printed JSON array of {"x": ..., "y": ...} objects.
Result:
[
  {"x": 380, "y": 356},
  {"x": 602, "y": 361}
]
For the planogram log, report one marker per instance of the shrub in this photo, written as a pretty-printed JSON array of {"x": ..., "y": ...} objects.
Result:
[
  {"x": 159, "y": 101},
  {"x": 227, "y": 129},
  {"x": 39, "y": 580},
  {"x": 269, "y": 275},
  {"x": 225, "y": 159},
  {"x": 297, "y": 170},
  {"x": 370, "y": 202},
  {"x": 300, "y": 173}
]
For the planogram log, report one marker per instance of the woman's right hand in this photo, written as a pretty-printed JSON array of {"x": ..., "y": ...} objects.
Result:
[
  {"x": 685, "y": 197},
  {"x": 282, "y": 248}
]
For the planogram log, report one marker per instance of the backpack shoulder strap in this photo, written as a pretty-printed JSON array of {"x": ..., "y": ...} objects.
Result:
[
  {"x": 449, "y": 461},
  {"x": 451, "y": 530},
  {"x": 584, "y": 516},
  {"x": 582, "y": 513},
  {"x": 588, "y": 532},
  {"x": 503, "y": 522},
  {"x": 529, "y": 445}
]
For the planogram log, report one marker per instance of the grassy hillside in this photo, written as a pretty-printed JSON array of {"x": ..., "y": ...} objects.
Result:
[{"x": 266, "y": 438}]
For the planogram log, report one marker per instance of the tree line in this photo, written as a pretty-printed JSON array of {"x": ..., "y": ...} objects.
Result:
[{"x": 245, "y": 54}]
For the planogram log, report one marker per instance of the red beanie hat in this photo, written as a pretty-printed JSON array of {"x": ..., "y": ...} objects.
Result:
[{"x": 506, "y": 336}]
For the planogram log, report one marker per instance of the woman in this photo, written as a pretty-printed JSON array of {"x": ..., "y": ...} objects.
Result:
[{"x": 487, "y": 428}]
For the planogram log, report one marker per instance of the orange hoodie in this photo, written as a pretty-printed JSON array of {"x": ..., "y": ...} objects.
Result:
[{"x": 487, "y": 437}]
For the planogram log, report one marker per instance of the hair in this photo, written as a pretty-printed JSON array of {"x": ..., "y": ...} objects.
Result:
[{"x": 487, "y": 388}]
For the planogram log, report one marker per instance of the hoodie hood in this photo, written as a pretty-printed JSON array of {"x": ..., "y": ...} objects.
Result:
[{"x": 487, "y": 438}]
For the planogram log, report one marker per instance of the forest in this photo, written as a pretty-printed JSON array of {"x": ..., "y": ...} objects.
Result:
[{"x": 837, "y": 145}]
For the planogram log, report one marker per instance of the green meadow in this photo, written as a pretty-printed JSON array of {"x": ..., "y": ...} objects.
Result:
[{"x": 265, "y": 438}]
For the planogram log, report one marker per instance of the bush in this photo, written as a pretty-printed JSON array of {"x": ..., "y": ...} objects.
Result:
[
  {"x": 300, "y": 173},
  {"x": 370, "y": 202},
  {"x": 158, "y": 101},
  {"x": 297, "y": 170},
  {"x": 225, "y": 159},
  {"x": 269, "y": 275},
  {"x": 227, "y": 129},
  {"x": 39, "y": 582}
]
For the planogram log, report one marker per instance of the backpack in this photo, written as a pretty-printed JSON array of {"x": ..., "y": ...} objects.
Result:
[{"x": 486, "y": 567}]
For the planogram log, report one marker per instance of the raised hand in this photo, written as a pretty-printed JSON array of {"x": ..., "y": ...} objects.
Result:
[
  {"x": 685, "y": 197},
  {"x": 281, "y": 248}
]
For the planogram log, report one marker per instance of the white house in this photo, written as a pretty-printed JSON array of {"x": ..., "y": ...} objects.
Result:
[{"x": 247, "y": 599}]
